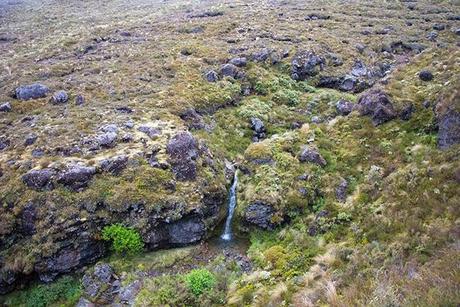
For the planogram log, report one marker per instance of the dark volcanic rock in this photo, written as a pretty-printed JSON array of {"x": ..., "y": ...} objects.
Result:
[
  {"x": 106, "y": 140},
  {"x": 306, "y": 64},
  {"x": 261, "y": 55},
  {"x": 4, "y": 143},
  {"x": 239, "y": 62},
  {"x": 32, "y": 91},
  {"x": 81, "y": 250},
  {"x": 260, "y": 214},
  {"x": 186, "y": 231},
  {"x": 406, "y": 113},
  {"x": 59, "y": 97},
  {"x": 259, "y": 129},
  {"x": 152, "y": 132},
  {"x": 344, "y": 107},
  {"x": 114, "y": 165},
  {"x": 211, "y": 76},
  {"x": 192, "y": 119},
  {"x": 30, "y": 139},
  {"x": 5, "y": 107},
  {"x": 39, "y": 179},
  {"x": 310, "y": 154},
  {"x": 425, "y": 75},
  {"x": 377, "y": 104},
  {"x": 439, "y": 26},
  {"x": 229, "y": 70},
  {"x": 183, "y": 152},
  {"x": 341, "y": 191},
  {"x": 449, "y": 129},
  {"x": 77, "y": 176},
  {"x": 28, "y": 218},
  {"x": 79, "y": 100}
]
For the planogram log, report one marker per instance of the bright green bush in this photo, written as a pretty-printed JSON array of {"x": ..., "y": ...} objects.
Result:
[
  {"x": 200, "y": 280},
  {"x": 124, "y": 239},
  {"x": 288, "y": 97}
]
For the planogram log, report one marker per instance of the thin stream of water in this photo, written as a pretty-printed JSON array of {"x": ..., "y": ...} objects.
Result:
[{"x": 227, "y": 234}]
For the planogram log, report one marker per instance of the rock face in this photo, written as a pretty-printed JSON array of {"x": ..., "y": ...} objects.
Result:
[
  {"x": 311, "y": 154},
  {"x": 376, "y": 104},
  {"x": 77, "y": 176},
  {"x": 449, "y": 129},
  {"x": 306, "y": 64},
  {"x": 260, "y": 214},
  {"x": 39, "y": 179},
  {"x": 186, "y": 231},
  {"x": 32, "y": 91},
  {"x": 183, "y": 152},
  {"x": 81, "y": 250}
]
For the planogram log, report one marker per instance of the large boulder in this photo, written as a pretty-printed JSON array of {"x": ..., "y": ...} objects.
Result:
[
  {"x": 306, "y": 64},
  {"x": 39, "y": 179},
  {"x": 376, "y": 104},
  {"x": 77, "y": 176},
  {"x": 311, "y": 154},
  {"x": 258, "y": 127},
  {"x": 32, "y": 91},
  {"x": 183, "y": 152},
  {"x": 260, "y": 214}
]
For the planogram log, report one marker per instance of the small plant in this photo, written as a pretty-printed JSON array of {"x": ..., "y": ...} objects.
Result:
[
  {"x": 124, "y": 239},
  {"x": 200, "y": 280}
]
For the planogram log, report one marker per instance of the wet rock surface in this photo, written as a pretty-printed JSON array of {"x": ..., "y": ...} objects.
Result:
[{"x": 260, "y": 214}]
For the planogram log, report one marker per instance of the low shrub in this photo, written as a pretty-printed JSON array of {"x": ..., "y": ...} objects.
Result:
[
  {"x": 124, "y": 239},
  {"x": 199, "y": 281}
]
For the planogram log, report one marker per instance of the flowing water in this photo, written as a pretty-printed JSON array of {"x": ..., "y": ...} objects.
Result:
[{"x": 227, "y": 234}]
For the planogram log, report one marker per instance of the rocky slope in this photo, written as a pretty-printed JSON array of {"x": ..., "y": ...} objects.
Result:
[{"x": 343, "y": 119}]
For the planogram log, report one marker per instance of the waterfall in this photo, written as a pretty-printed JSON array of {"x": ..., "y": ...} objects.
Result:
[{"x": 227, "y": 235}]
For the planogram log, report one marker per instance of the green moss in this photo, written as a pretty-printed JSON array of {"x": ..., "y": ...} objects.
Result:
[{"x": 124, "y": 239}]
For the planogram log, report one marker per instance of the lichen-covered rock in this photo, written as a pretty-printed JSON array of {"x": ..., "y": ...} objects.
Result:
[
  {"x": 32, "y": 91},
  {"x": 377, "y": 104},
  {"x": 306, "y": 64},
  {"x": 449, "y": 129},
  {"x": 59, "y": 97},
  {"x": 152, "y": 132},
  {"x": 114, "y": 165},
  {"x": 260, "y": 214},
  {"x": 311, "y": 154},
  {"x": 76, "y": 176},
  {"x": 98, "y": 283},
  {"x": 192, "y": 119},
  {"x": 183, "y": 152},
  {"x": 106, "y": 139},
  {"x": 40, "y": 179}
]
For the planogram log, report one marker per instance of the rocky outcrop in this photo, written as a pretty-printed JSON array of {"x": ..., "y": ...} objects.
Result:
[
  {"x": 376, "y": 104},
  {"x": 260, "y": 214},
  {"x": 344, "y": 107},
  {"x": 32, "y": 91},
  {"x": 40, "y": 179},
  {"x": 76, "y": 176},
  {"x": 183, "y": 153},
  {"x": 192, "y": 119},
  {"x": 114, "y": 165},
  {"x": 306, "y": 64}
]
